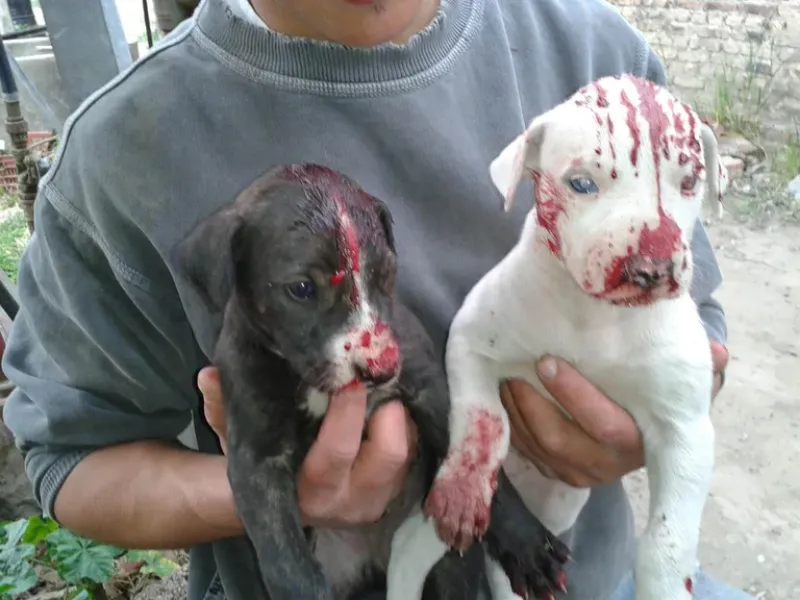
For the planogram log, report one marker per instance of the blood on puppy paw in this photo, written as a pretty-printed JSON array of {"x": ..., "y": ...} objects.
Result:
[
  {"x": 461, "y": 496},
  {"x": 460, "y": 504}
]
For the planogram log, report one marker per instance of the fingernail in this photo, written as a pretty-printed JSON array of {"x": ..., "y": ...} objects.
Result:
[{"x": 548, "y": 369}]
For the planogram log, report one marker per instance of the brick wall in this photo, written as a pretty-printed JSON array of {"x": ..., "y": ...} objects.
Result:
[{"x": 740, "y": 57}]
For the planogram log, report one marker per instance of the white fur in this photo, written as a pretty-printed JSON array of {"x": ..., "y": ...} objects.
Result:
[
  {"x": 416, "y": 548},
  {"x": 654, "y": 360}
]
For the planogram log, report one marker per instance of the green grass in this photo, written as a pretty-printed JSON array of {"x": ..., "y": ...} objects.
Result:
[
  {"x": 787, "y": 164},
  {"x": 13, "y": 237}
]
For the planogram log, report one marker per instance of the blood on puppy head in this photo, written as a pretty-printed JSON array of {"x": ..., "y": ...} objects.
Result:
[
  {"x": 308, "y": 260},
  {"x": 620, "y": 170}
]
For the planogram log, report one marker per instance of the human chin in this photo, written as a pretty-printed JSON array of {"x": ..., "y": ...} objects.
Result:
[{"x": 367, "y": 23}]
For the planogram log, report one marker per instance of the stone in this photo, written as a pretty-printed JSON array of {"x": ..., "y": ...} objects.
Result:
[
  {"x": 688, "y": 82},
  {"x": 699, "y": 17},
  {"x": 794, "y": 188},
  {"x": 738, "y": 146},
  {"x": 735, "y": 166},
  {"x": 174, "y": 587}
]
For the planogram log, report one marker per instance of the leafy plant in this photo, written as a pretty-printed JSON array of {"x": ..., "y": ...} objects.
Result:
[
  {"x": 787, "y": 164},
  {"x": 13, "y": 237},
  {"x": 16, "y": 573},
  {"x": 29, "y": 546}
]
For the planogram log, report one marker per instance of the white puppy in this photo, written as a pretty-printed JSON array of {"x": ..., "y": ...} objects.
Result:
[{"x": 600, "y": 277}]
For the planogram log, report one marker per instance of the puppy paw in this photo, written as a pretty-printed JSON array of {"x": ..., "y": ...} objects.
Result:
[
  {"x": 461, "y": 496},
  {"x": 534, "y": 562},
  {"x": 459, "y": 502}
]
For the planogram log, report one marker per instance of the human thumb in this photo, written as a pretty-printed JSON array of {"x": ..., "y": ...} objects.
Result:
[{"x": 213, "y": 408}]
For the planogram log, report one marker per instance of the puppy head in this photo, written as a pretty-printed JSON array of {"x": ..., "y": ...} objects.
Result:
[
  {"x": 306, "y": 258},
  {"x": 620, "y": 170}
]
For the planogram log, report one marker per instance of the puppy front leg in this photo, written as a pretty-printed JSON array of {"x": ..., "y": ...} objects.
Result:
[
  {"x": 531, "y": 556},
  {"x": 680, "y": 463},
  {"x": 266, "y": 498},
  {"x": 461, "y": 496}
]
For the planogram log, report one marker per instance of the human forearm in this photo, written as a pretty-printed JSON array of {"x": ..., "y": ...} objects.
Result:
[{"x": 149, "y": 495}]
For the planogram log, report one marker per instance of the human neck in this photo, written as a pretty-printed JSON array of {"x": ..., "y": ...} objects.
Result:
[{"x": 279, "y": 20}]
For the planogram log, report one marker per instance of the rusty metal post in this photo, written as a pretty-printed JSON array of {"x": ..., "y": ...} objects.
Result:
[
  {"x": 27, "y": 172},
  {"x": 17, "y": 128}
]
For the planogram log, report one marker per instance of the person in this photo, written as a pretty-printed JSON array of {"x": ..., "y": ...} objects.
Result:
[{"x": 412, "y": 98}]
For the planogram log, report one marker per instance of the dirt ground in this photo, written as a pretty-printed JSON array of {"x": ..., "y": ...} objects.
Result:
[{"x": 751, "y": 531}]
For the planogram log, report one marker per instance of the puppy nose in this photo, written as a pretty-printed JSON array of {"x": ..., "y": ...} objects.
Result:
[
  {"x": 647, "y": 273},
  {"x": 374, "y": 376}
]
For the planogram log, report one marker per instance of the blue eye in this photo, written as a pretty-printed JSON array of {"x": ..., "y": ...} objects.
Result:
[
  {"x": 583, "y": 185},
  {"x": 302, "y": 290}
]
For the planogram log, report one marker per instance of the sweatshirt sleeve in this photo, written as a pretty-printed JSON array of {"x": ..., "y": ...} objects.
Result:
[
  {"x": 96, "y": 358},
  {"x": 707, "y": 275}
]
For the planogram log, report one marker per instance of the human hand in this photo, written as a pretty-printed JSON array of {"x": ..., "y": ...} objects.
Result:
[
  {"x": 599, "y": 445},
  {"x": 343, "y": 480},
  {"x": 720, "y": 357}
]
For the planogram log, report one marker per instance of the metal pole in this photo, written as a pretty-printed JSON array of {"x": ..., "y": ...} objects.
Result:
[{"x": 17, "y": 128}]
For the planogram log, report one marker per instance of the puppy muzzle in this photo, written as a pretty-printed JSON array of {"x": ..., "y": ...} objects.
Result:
[
  {"x": 378, "y": 364},
  {"x": 647, "y": 273}
]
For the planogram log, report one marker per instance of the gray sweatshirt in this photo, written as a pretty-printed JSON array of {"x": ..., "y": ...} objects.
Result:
[{"x": 109, "y": 338}]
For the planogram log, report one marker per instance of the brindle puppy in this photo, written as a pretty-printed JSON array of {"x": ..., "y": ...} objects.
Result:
[{"x": 303, "y": 266}]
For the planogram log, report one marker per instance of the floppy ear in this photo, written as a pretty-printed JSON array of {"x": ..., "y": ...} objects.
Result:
[
  {"x": 517, "y": 159},
  {"x": 385, "y": 217},
  {"x": 716, "y": 173},
  {"x": 208, "y": 256}
]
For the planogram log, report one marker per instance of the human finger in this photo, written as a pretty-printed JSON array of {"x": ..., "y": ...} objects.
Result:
[
  {"x": 600, "y": 417},
  {"x": 548, "y": 464},
  {"x": 521, "y": 438},
  {"x": 327, "y": 464},
  {"x": 719, "y": 356},
  {"x": 565, "y": 448},
  {"x": 382, "y": 462},
  {"x": 213, "y": 406}
]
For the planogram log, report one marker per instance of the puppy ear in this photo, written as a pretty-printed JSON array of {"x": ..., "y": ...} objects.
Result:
[
  {"x": 516, "y": 159},
  {"x": 208, "y": 256},
  {"x": 716, "y": 173},
  {"x": 385, "y": 217}
]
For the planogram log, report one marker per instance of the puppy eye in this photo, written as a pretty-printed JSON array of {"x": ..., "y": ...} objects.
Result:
[
  {"x": 302, "y": 290},
  {"x": 688, "y": 183},
  {"x": 583, "y": 185}
]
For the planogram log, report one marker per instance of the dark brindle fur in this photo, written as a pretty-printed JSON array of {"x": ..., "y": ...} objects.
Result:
[{"x": 287, "y": 227}]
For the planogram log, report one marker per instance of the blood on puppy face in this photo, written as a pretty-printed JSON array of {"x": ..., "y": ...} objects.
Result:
[
  {"x": 312, "y": 267},
  {"x": 620, "y": 171}
]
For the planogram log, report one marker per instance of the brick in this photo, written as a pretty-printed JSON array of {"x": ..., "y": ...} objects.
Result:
[
  {"x": 699, "y": 17},
  {"x": 734, "y": 20},
  {"x": 732, "y": 47},
  {"x": 668, "y": 53},
  {"x": 711, "y": 44},
  {"x": 689, "y": 82},
  {"x": 755, "y": 22},
  {"x": 735, "y": 166},
  {"x": 680, "y": 15}
]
